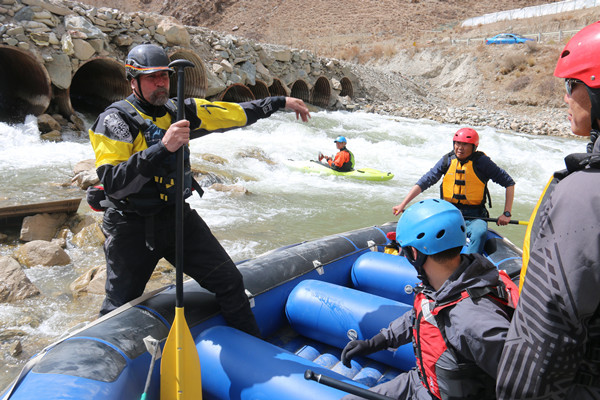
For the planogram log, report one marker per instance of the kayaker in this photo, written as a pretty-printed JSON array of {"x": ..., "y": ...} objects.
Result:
[
  {"x": 461, "y": 312},
  {"x": 466, "y": 173},
  {"x": 343, "y": 160},
  {"x": 135, "y": 144},
  {"x": 552, "y": 349}
]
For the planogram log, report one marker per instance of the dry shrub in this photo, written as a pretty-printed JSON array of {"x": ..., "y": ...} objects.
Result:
[
  {"x": 532, "y": 47},
  {"x": 512, "y": 62},
  {"x": 348, "y": 53},
  {"x": 380, "y": 51},
  {"x": 519, "y": 84},
  {"x": 549, "y": 87}
]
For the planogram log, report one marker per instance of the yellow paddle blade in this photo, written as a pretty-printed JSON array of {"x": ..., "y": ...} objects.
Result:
[{"x": 180, "y": 365}]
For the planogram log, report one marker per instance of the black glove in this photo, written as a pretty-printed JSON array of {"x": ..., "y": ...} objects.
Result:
[{"x": 362, "y": 348}]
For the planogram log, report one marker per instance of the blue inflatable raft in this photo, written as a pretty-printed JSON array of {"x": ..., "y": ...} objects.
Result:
[{"x": 309, "y": 300}]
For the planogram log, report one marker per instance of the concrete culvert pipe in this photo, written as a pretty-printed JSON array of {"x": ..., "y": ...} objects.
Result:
[
  {"x": 321, "y": 92},
  {"x": 25, "y": 85},
  {"x": 277, "y": 88},
  {"x": 96, "y": 84},
  {"x": 347, "y": 89},
  {"x": 196, "y": 82},
  {"x": 260, "y": 90},
  {"x": 300, "y": 90},
  {"x": 237, "y": 93}
]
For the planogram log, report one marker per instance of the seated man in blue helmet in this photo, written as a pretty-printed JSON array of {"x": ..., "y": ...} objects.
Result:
[
  {"x": 343, "y": 160},
  {"x": 461, "y": 314}
]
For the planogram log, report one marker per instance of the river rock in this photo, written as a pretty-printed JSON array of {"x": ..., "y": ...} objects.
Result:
[
  {"x": 85, "y": 179},
  {"x": 3, "y": 237},
  {"x": 14, "y": 284},
  {"x": 214, "y": 159},
  {"x": 41, "y": 252},
  {"x": 52, "y": 136},
  {"x": 232, "y": 189},
  {"x": 80, "y": 221},
  {"x": 82, "y": 50},
  {"x": 59, "y": 69},
  {"x": 84, "y": 165},
  {"x": 175, "y": 33},
  {"x": 47, "y": 124},
  {"x": 91, "y": 282},
  {"x": 90, "y": 236},
  {"x": 15, "y": 348},
  {"x": 256, "y": 153},
  {"x": 41, "y": 226}
]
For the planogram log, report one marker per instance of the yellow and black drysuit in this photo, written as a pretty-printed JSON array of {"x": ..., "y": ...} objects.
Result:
[
  {"x": 138, "y": 174},
  {"x": 552, "y": 349}
]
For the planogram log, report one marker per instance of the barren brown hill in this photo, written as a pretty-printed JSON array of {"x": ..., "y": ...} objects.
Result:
[
  {"x": 322, "y": 24},
  {"x": 405, "y": 47}
]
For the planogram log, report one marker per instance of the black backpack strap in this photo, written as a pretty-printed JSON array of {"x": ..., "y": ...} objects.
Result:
[{"x": 196, "y": 186}]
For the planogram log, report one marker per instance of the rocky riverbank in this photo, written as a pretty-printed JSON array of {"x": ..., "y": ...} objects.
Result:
[{"x": 64, "y": 36}]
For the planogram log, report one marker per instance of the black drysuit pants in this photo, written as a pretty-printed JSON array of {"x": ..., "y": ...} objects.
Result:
[{"x": 130, "y": 263}]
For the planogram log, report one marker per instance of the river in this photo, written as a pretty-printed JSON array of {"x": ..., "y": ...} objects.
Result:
[{"x": 282, "y": 207}]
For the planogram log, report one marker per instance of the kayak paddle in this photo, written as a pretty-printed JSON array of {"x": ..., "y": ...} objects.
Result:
[
  {"x": 180, "y": 366},
  {"x": 512, "y": 221},
  {"x": 346, "y": 387}
]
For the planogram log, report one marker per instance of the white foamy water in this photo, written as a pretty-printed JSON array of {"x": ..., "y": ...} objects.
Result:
[{"x": 283, "y": 206}]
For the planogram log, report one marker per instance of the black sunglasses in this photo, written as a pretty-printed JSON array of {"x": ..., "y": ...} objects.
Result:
[{"x": 570, "y": 83}]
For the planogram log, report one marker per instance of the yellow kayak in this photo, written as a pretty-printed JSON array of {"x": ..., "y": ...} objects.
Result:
[{"x": 315, "y": 167}]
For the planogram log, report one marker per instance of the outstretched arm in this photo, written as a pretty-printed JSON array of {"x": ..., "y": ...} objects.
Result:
[
  {"x": 298, "y": 106},
  {"x": 414, "y": 192}
]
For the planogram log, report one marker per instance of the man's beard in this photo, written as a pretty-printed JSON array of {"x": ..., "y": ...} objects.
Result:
[{"x": 159, "y": 97}]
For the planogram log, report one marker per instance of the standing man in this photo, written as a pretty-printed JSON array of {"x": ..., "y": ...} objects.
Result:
[
  {"x": 552, "y": 350},
  {"x": 343, "y": 160},
  {"x": 135, "y": 142},
  {"x": 466, "y": 173},
  {"x": 461, "y": 312}
]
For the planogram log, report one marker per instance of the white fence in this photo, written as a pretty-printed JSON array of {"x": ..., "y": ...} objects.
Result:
[
  {"x": 540, "y": 37},
  {"x": 530, "y": 12}
]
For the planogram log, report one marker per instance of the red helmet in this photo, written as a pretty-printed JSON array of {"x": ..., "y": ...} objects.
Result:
[
  {"x": 579, "y": 59},
  {"x": 466, "y": 135}
]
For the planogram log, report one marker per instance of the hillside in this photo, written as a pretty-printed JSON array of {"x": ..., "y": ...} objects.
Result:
[{"x": 403, "y": 48}]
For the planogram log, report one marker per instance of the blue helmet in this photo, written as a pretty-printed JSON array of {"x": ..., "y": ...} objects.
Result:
[
  {"x": 340, "y": 139},
  {"x": 431, "y": 226}
]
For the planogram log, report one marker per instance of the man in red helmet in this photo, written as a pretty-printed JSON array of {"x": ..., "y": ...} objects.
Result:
[
  {"x": 466, "y": 172},
  {"x": 552, "y": 350}
]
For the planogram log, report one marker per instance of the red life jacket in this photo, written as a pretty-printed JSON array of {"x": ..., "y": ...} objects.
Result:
[{"x": 430, "y": 345}]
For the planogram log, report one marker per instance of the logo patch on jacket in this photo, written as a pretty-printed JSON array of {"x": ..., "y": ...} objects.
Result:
[{"x": 117, "y": 128}]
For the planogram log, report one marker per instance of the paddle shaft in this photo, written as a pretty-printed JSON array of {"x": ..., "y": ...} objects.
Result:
[
  {"x": 180, "y": 366},
  {"x": 180, "y": 66},
  {"x": 512, "y": 221},
  {"x": 346, "y": 387},
  {"x": 179, "y": 201}
]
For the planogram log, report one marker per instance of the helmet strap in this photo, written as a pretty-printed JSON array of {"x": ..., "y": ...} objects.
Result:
[
  {"x": 594, "y": 95},
  {"x": 417, "y": 263},
  {"x": 138, "y": 92}
]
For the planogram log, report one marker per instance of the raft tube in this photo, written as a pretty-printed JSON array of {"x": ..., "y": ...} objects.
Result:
[
  {"x": 236, "y": 365},
  {"x": 385, "y": 275},
  {"x": 334, "y": 315}
]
